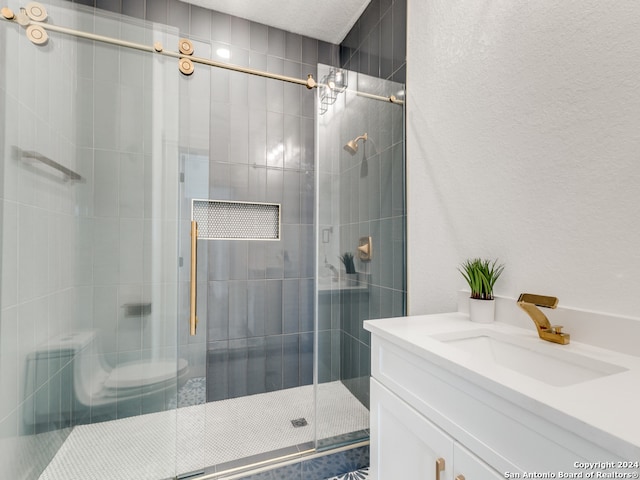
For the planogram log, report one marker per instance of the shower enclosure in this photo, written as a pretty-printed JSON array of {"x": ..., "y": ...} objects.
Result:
[
  {"x": 104, "y": 148},
  {"x": 360, "y": 211}
]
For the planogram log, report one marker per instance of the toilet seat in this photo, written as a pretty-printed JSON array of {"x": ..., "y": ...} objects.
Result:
[
  {"x": 145, "y": 373},
  {"x": 99, "y": 390}
]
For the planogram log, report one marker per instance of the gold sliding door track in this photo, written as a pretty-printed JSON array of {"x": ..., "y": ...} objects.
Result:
[{"x": 33, "y": 19}]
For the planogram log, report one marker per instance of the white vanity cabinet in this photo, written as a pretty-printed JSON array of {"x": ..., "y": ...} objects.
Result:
[
  {"x": 426, "y": 407},
  {"x": 404, "y": 444}
]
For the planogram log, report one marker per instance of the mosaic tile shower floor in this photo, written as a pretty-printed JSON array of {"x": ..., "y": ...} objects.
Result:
[{"x": 149, "y": 447}]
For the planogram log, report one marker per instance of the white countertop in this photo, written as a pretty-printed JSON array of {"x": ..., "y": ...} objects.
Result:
[{"x": 605, "y": 410}]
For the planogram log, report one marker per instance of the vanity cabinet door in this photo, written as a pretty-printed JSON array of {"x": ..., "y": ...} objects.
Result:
[
  {"x": 404, "y": 444},
  {"x": 466, "y": 466}
]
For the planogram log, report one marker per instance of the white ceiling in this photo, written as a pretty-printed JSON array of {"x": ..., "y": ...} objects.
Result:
[{"x": 328, "y": 20}]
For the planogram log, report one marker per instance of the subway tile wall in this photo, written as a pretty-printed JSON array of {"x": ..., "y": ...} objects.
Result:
[
  {"x": 372, "y": 199},
  {"x": 376, "y": 45},
  {"x": 380, "y": 214},
  {"x": 262, "y": 149}
]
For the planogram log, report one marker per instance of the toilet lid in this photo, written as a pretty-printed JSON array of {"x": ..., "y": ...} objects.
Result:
[{"x": 139, "y": 374}]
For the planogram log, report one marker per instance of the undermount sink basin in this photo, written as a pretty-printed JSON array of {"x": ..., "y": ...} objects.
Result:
[{"x": 547, "y": 363}]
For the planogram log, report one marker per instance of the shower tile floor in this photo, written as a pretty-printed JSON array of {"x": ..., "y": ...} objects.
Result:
[{"x": 154, "y": 446}]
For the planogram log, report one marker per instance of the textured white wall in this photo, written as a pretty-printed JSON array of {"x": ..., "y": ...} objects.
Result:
[{"x": 523, "y": 128}]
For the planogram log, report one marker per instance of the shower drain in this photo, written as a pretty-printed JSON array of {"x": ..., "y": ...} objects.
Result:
[{"x": 299, "y": 422}]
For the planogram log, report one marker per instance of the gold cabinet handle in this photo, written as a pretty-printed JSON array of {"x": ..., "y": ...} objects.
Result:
[
  {"x": 439, "y": 467},
  {"x": 459, "y": 477},
  {"x": 193, "y": 319}
]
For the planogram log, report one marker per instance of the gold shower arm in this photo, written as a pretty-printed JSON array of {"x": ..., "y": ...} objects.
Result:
[{"x": 193, "y": 319}]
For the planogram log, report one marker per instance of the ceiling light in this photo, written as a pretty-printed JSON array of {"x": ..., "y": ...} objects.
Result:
[{"x": 223, "y": 53}]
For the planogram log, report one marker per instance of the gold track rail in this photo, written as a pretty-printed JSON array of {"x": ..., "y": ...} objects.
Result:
[{"x": 24, "y": 20}]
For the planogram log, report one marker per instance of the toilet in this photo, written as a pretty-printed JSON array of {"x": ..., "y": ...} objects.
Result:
[{"x": 99, "y": 391}]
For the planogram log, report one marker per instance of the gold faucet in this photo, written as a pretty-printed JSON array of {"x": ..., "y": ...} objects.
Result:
[{"x": 551, "y": 333}]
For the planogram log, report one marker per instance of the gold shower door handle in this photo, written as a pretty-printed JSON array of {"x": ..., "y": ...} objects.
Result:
[
  {"x": 439, "y": 467},
  {"x": 193, "y": 319}
]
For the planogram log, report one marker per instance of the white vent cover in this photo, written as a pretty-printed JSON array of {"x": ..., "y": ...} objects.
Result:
[{"x": 224, "y": 220}]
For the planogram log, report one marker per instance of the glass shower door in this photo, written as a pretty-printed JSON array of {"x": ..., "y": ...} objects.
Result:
[
  {"x": 88, "y": 209},
  {"x": 193, "y": 164},
  {"x": 254, "y": 344},
  {"x": 360, "y": 184}
]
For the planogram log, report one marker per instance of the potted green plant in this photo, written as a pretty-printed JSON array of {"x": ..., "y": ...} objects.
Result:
[
  {"x": 350, "y": 267},
  {"x": 481, "y": 275}
]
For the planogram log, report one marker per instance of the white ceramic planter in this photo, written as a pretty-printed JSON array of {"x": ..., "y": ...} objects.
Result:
[{"x": 482, "y": 311}]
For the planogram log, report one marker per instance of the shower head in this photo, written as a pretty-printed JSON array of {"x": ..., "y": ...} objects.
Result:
[{"x": 352, "y": 145}]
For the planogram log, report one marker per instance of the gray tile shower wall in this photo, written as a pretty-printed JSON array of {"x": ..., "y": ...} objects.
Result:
[
  {"x": 371, "y": 203},
  {"x": 376, "y": 45},
  {"x": 372, "y": 200},
  {"x": 259, "y": 294}
]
